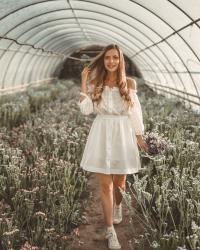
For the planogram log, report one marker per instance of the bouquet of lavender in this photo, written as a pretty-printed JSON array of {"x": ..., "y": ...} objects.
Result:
[{"x": 157, "y": 144}]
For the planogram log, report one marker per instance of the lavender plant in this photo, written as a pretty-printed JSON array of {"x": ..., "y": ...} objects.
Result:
[
  {"x": 40, "y": 180},
  {"x": 168, "y": 186},
  {"x": 157, "y": 144}
]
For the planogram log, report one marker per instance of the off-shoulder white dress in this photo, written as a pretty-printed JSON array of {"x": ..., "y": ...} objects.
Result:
[{"x": 111, "y": 146}]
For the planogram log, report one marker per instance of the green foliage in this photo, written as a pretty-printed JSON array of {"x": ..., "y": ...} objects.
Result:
[
  {"x": 16, "y": 109},
  {"x": 167, "y": 189},
  {"x": 41, "y": 184}
]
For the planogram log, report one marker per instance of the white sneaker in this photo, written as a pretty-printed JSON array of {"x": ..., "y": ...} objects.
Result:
[
  {"x": 113, "y": 242},
  {"x": 117, "y": 214}
]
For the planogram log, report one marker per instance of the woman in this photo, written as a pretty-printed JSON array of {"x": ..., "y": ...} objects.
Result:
[{"x": 111, "y": 149}]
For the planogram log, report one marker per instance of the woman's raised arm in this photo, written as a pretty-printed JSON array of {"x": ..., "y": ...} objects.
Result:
[{"x": 85, "y": 103}]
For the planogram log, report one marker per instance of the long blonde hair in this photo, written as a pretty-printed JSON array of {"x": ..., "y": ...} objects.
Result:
[{"x": 97, "y": 64}]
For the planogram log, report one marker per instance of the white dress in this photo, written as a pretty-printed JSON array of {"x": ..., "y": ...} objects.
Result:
[{"x": 111, "y": 146}]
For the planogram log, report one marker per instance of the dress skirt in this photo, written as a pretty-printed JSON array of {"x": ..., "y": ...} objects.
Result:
[{"x": 111, "y": 146}]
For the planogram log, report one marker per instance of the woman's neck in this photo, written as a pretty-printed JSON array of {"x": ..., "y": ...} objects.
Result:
[{"x": 111, "y": 77}]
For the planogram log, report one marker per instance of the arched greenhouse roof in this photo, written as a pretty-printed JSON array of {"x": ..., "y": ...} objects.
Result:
[{"x": 162, "y": 37}]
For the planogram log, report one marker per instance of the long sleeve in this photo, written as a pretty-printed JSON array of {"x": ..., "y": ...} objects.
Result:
[
  {"x": 135, "y": 114},
  {"x": 86, "y": 105}
]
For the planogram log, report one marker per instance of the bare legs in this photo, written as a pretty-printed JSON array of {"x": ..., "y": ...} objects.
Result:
[
  {"x": 119, "y": 181},
  {"x": 106, "y": 192}
]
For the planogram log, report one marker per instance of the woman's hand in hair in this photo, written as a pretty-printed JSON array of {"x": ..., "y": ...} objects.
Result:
[{"x": 84, "y": 75}]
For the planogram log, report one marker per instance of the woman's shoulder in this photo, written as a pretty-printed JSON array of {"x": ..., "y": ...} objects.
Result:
[{"x": 132, "y": 84}]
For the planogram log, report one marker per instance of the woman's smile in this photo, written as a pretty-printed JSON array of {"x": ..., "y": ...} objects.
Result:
[{"x": 111, "y": 60}]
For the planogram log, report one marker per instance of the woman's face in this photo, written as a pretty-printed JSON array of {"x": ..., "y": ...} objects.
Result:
[{"x": 111, "y": 60}]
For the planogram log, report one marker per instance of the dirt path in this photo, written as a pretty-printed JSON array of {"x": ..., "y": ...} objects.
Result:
[{"x": 91, "y": 235}]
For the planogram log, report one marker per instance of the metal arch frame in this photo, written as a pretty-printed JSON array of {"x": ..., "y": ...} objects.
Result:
[
  {"x": 69, "y": 38},
  {"x": 186, "y": 14},
  {"x": 99, "y": 4},
  {"x": 182, "y": 28},
  {"x": 175, "y": 31},
  {"x": 120, "y": 35},
  {"x": 31, "y": 73},
  {"x": 132, "y": 1},
  {"x": 32, "y": 61},
  {"x": 75, "y": 17},
  {"x": 60, "y": 37},
  {"x": 28, "y": 45},
  {"x": 37, "y": 56},
  {"x": 50, "y": 65},
  {"x": 101, "y": 14},
  {"x": 20, "y": 57},
  {"x": 39, "y": 64},
  {"x": 160, "y": 87},
  {"x": 103, "y": 29},
  {"x": 108, "y": 16},
  {"x": 71, "y": 48},
  {"x": 177, "y": 90},
  {"x": 43, "y": 62},
  {"x": 24, "y": 7},
  {"x": 74, "y": 32},
  {"x": 96, "y": 39},
  {"x": 41, "y": 30},
  {"x": 156, "y": 33},
  {"x": 44, "y": 1},
  {"x": 32, "y": 46},
  {"x": 57, "y": 10},
  {"x": 25, "y": 57},
  {"x": 171, "y": 65},
  {"x": 34, "y": 58},
  {"x": 175, "y": 72},
  {"x": 29, "y": 20},
  {"x": 23, "y": 33},
  {"x": 113, "y": 38},
  {"x": 78, "y": 45},
  {"x": 50, "y": 37},
  {"x": 100, "y": 39},
  {"x": 148, "y": 56}
]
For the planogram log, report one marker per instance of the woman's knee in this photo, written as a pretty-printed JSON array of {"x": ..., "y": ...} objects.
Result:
[{"x": 119, "y": 181}]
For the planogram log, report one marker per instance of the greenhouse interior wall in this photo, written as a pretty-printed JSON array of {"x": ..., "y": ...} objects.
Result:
[
  {"x": 44, "y": 47},
  {"x": 38, "y": 36}
]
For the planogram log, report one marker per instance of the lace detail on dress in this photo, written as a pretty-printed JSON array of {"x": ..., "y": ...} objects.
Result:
[{"x": 112, "y": 103}]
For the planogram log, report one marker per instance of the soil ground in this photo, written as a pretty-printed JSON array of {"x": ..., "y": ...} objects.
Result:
[{"x": 91, "y": 236}]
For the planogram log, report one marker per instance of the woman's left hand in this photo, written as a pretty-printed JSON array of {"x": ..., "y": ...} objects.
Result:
[{"x": 143, "y": 145}]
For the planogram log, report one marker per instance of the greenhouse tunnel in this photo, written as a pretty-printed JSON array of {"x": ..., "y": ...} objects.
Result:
[
  {"x": 37, "y": 37},
  {"x": 70, "y": 169}
]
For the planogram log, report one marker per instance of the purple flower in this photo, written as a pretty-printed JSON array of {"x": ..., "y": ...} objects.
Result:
[{"x": 157, "y": 143}]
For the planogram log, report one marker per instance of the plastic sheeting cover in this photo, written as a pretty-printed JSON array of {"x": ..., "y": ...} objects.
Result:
[{"x": 162, "y": 37}]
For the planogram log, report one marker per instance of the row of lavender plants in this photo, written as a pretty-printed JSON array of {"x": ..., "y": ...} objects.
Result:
[
  {"x": 167, "y": 190},
  {"x": 42, "y": 136},
  {"x": 15, "y": 109},
  {"x": 41, "y": 182}
]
